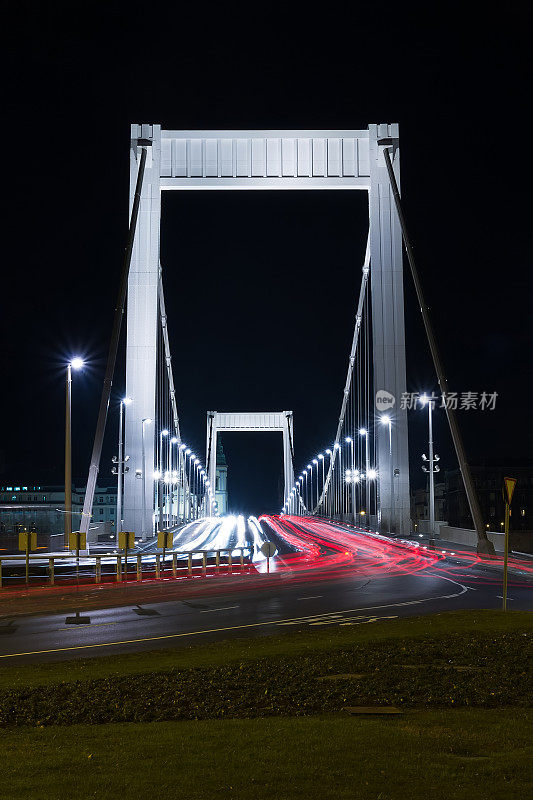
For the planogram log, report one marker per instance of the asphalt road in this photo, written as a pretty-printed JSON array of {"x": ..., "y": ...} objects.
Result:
[{"x": 365, "y": 579}]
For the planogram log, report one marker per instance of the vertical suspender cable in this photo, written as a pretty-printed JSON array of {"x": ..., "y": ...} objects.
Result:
[
  {"x": 112, "y": 355},
  {"x": 484, "y": 545},
  {"x": 355, "y": 340}
]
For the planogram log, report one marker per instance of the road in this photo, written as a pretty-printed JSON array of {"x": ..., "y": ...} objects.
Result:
[{"x": 323, "y": 574}]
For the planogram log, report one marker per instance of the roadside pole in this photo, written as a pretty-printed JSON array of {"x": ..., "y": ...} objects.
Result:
[
  {"x": 508, "y": 489},
  {"x": 126, "y": 541}
]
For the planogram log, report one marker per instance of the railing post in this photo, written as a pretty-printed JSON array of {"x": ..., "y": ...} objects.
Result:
[
  {"x": 242, "y": 559},
  {"x": 174, "y": 565},
  {"x": 139, "y": 567},
  {"x": 157, "y": 565},
  {"x": 229, "y": 561},
  {"x": 204, "y": 563},
  {"x": 217, "y": 561},
  {"x": 119, "y": 569},
  {"x": 51, "y": 571},
  {"x": 189, "y": 565},
  {"x": 98, "y": 569}
]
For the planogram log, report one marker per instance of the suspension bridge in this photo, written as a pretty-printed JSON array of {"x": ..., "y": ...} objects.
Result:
[{"x": 362, "y": 474}]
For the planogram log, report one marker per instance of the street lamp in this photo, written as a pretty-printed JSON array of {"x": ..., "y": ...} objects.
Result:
[
  {"x": 349, "y": 441},
  {"x": 121, "y": 461},
  {"x": 321, "y": 459},
  {"x": 144, "y": 422},
  {"x": 76, "y": 364},
  {"x": 315, "y": 461},
  {"x": 364, "y": 432},
  {"x": 425, "y": 400},
  {"x": 386, "y": 420},
  {"x": 328, "y": 493}
]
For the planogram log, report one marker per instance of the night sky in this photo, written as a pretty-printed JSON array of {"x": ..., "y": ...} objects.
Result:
[{"x": 261, "y": 287}]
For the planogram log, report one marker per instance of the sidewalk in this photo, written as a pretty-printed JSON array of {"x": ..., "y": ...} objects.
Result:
[
  {"x": 62, "y": 599},
  {"x": 496, "y": 564}
]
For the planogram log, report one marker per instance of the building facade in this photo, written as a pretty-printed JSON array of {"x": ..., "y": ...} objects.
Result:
[
  {"x": 41, "y": 508},
  {"x": 221, "y": 480}
]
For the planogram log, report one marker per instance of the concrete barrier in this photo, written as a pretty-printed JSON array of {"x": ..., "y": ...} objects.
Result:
[{"x": 469, "y": 537}]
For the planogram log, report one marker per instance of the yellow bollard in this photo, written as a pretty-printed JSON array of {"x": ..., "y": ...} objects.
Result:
[
  {"x": 119, "y": 569},
  {"x": 204, "y": 563},
  {"x": 98, "y": 569},
  {"x": 189, "y": 565},
  {"x": 139, "y": 567},
  {"x": 217, "y": 561},
  {"x": 229, "y": 561},
  {"x": 157, "y": 565},
  {"x": 51, "y": 571},
  {"x": 174, "y": 565}
]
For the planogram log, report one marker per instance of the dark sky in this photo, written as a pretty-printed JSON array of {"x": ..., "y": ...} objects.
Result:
[{"x": 261, "y": 287}]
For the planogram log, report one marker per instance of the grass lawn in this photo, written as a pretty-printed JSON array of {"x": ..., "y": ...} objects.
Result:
[
  {"x": 460, "y": 754},
  {"x": 294, "y": 643}
]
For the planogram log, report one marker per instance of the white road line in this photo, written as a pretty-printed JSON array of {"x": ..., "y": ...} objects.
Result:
[
  {"x": 310, "y": 597},
  {"x": 235, "y": 627},
  {"x": 224, "y": 608}
]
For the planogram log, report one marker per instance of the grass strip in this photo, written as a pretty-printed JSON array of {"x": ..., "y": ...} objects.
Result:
[
  {"x": 293, "y": 641},
  {"x": 465, "y": 755},
  {"x": 451, "y": 668}
]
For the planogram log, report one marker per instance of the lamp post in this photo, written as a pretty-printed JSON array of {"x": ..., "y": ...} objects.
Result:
[
  {"x": 425, "y": 400},
  {"x": 349, "y": 441},
  {"x": 337, "y": 447},
  {"x": 144, "y": 422},
  {"x": 181, "y": 481},
  {"x": 386, "y": 420},
  {"x": 315, "y": 461},
  {"x": 328, "y": 495},
  {"x": 364, "y": 432},
  {"x": 76, "y": 363},
  {"x": 320, "y": 457},
  {"x": 173, "y": 473},
  {"x": 121, "y": 462}
]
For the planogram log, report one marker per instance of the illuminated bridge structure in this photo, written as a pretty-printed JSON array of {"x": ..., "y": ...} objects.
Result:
[{"x": 365, "y": 468}]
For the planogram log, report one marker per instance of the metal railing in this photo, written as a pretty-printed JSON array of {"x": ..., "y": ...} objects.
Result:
[{"x": 146, "y": 566}]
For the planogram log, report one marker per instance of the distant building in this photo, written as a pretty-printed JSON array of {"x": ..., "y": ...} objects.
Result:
[
  {"x": 221, "y": 480},
  {"x": 41, "y": 508},
  {"x": 488, "y": 479},
  {"x": 420, "y": 503}
]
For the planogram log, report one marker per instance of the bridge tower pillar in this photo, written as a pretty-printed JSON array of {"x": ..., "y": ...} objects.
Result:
[
  {"x": 141, "y": 343},
  {"x": 388, "y": 331}
]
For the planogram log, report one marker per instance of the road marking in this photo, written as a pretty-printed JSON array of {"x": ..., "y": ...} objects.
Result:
[
  {"x": 310, "y": 597},
  {"x": 338, "y": 619},
  {"x": 87, "y": 625},
  {"x": 224, "y": 608},
  {"x": 232, "y": 627}
]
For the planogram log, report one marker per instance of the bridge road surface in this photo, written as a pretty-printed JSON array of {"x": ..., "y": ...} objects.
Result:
[{"x": 366, "y": 578}]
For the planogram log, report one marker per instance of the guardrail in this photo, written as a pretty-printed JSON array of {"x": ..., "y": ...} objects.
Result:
[{"x": 146, "y": 566}]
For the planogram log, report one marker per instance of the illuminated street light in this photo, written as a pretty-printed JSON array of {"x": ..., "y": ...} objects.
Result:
[
  {"x": 76, "y": 364},
  {"x": 121, "y": 461},
  {"x": 425, "y": 400},
  {"x": 386, "y": 420},
  {"x": 364, "y": 432},
  {"x": 144, "y": 422}
]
